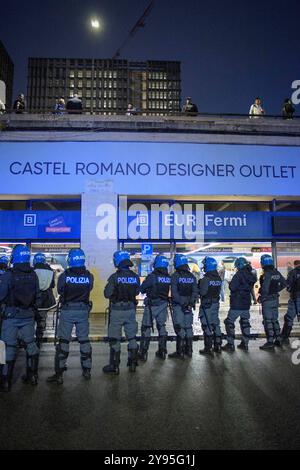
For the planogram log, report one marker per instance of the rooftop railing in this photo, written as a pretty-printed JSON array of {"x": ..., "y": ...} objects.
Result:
[{"x": 145, "y": 113}]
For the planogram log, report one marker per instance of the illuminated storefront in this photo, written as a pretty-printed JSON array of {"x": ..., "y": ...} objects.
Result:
[{"x": 62, "y": 194}]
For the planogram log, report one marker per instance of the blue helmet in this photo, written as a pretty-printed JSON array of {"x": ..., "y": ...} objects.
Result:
[
  {"x": 266, "y": 260},
  {"x": 120, "y": 256},
  {"x": 180, "y": 260},
  {"x": 39, "y": 258},
  {"x": 76, "y": 258},
  {"x": 209, "y": 264},
  {"x": 4, "y": 260},
  {"x": 161, "y": 262},
  {"x": 20, "y": 254},
  {"x": 241, "y": 263}
]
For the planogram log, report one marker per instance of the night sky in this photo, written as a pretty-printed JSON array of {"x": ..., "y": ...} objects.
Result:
[{"x": 230, "y": 50}]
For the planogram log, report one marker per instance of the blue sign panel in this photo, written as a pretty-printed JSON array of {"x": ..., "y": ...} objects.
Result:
[
  {"x": 149, "y": 168},
  {"x": 30, "y": 225},
  {"x": 217, "y": 226},
  {"x": 147, "y": 249}
]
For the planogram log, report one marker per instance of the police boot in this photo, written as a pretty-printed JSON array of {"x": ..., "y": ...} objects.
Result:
[
  {"x": 218, "y": 344},
  {"x": 57, "y": 378},
  {"x": 31, "y": 376},
  {"x": 243, "y": 346},
  {"x": 6, "y": 380},
  {"x": 132, "y": 359},
  {"x": 286, "y": 331},
  {"x": 143, "y": 350},
  {"x": 228, "y": 347},
  {"x": 189, "y": 347},
  {"x": 114, "y": 361},
  {"x": 86, "y": 373},
  {"x": 162, "y": 348},
  {"x": 268, "y": 346},
  {"x": 207, "y": 346},
  {"x": 179, "y": 353},
  {"x": 218, "y": 349}
]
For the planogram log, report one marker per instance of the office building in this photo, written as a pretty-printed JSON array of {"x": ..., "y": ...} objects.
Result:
[
  {"x": 105, "y": 85},
  {"x": 6, "y": 75}
]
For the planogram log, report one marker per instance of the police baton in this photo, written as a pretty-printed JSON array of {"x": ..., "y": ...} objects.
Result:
[
  {"x": 2, "y": 344},
  {"x": 171, "y": 312},
  {"x": 56, "y": 314},
  {"x": 150, "y": 313},
  {"x": 107, "y": 313}
]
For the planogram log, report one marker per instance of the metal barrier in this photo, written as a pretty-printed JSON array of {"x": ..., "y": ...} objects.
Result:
[{"x": 103, "y": 112}]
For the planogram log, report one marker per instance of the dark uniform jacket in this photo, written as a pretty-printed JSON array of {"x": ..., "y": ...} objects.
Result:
[
  {"x": 74, "y": 286},
  {"x": 210, "y": 288},
  {"x": 157, "y": 285},
  {"x": 19, "y": 291},
  {"x": 122, "y": 288},
  {"x": 271, "y": 283},
  {"x": 184, "y": 288},
  {"x": 293, "y": 283},
  {"x": 240, "y": 287}
]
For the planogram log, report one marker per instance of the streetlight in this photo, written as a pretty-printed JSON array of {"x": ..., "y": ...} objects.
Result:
[
  {"x": 95, "y": 23},
  {"x": 95, "y": 26}
]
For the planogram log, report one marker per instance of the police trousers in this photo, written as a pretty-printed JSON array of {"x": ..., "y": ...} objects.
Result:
[
  {"x": 229, "y": 322},
  {"x": 270, "y": 319},
  {"x": 74, "y": 315},
  {"x": 119, "y": 319},
  {"x": 159, "y": 315},
  {"x": 14, "y": 329},
  {"x": 292, "y": 311},
  {"x": 183, "y": 322},
  {"x": 210, "y": 322},
  {"x": 41, "y": 320}
]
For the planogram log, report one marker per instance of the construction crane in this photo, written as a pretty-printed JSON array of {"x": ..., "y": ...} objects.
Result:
[{"x": 139, "y": 24}]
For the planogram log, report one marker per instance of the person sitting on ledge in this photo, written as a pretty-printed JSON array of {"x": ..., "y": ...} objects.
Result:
[
  {"x": 189, "y": 108},
  {"x": 74, "y": 105}
]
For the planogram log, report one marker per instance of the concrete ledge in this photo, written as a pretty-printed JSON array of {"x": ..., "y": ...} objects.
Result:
[
  {"x": 186, "y": 124},
  {"x": 200, "y": 129}
]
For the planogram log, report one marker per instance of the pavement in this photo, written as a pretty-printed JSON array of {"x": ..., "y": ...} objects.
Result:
[{"x": 245, "y": 400}]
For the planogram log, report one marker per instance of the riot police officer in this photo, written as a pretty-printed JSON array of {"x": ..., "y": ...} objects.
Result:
[
  {"x": 4, "y": 261},
  {"x": 209, "y": 290},
  {"x": 121, "y": 289},
  {"x": 156, "y": 286},
  {"x": 271, "y": 283},
  {"x": 184, "y": 294},
  {"x": 240, "y": 288},
  {"x": 74, "y": 287},
  {"x": 46, "y": 298},
  {"x": 19, "y": 291},
  {"x": 293, "y": 287}
]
